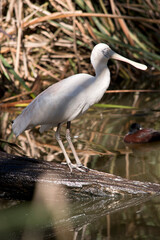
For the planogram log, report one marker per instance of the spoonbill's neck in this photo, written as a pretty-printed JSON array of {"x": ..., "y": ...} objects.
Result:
[
  {"x": 100, "y": 68},
  {"x": 102, "y": 76}
]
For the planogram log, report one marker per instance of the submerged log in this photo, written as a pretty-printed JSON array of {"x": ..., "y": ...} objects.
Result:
[{"x": 19, "y": 176}]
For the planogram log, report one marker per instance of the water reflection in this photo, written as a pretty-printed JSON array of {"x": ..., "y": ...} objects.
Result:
[{"x": 50, "y": 218}]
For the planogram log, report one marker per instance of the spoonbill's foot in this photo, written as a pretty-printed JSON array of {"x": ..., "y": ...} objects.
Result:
[
  {"x": 75, "y": 166},
  {"x": 83, "y": 167}
]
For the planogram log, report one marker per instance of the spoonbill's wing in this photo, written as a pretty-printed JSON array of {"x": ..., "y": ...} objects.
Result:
[{"x": 59, "y": 103}]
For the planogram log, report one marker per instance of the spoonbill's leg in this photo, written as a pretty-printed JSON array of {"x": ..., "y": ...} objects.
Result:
[
  {"x": 68, "y": 137},
  {"x": 58, "y": 138}
]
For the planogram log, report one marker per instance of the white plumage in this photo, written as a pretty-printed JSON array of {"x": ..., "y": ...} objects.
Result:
[{"x": 64, "y": 101}]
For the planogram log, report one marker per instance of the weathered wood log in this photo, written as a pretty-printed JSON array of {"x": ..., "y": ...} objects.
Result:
[{"x": 19, "y": 176}]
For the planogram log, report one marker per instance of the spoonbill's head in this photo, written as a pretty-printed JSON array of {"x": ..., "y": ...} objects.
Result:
[{"x": 101, "y": 53}]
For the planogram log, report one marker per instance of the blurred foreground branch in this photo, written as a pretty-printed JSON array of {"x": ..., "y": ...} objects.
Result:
[{"x": 19, "y": 176}]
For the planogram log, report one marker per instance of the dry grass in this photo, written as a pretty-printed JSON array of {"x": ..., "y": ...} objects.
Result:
[{"x": 53, "y": 39}]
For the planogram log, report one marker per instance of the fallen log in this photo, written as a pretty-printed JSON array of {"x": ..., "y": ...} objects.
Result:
[{"x": 19, "y": 176}]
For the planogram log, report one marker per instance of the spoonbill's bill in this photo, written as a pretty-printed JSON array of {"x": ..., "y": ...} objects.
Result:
[{"x": 64, "y": 101}]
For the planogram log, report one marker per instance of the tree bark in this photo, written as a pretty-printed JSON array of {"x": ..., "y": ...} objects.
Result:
[{"x": 19, "y": 176}]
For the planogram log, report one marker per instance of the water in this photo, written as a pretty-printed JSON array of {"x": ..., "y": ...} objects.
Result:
[{"x": 98, "y": 136}]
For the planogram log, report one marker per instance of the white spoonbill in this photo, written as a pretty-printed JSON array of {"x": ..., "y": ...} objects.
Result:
[{"x": 64, "y": 101}]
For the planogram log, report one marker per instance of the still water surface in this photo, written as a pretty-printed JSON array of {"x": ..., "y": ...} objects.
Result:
[{"x": 98, "y": 136}]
